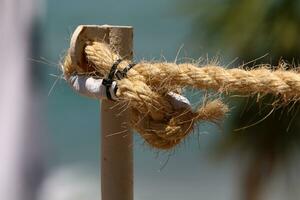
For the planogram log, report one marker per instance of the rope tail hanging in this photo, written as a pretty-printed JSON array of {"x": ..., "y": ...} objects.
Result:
[{"x": 158, "y": 112}]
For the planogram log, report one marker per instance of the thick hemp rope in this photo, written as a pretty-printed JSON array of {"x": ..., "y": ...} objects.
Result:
[{"x": 148, "y": 89}]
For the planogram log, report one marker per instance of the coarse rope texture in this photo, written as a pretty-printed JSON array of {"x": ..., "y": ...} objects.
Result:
[{"x": 145, "y": 91}]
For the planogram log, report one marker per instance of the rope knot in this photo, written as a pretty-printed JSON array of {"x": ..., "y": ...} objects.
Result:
[{"x": 159, "y": 114}]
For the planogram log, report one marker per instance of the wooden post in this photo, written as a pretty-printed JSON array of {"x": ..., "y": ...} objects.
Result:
[{"x": 116, "y": 137}]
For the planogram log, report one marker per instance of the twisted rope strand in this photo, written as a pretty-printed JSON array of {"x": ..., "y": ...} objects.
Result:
[{"x": 261, "y": 80}]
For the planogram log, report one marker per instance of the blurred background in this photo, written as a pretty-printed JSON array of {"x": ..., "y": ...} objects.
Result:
[{"x": 49, "y": 136}]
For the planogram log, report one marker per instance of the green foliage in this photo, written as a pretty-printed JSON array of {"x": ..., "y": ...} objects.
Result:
[
  {"x": 249, "y": 29},
  {"x": 246, "y": 28}
]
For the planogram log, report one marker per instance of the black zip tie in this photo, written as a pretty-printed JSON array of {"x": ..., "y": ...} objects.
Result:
[
  {"x": 113, "y": 69},
  {"x": 107, "y": 82},
  {"x": 123, "y": 74},
  {"x": 114, "y": 72}
]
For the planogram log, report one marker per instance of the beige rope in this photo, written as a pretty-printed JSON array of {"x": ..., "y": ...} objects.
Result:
[{"x": 147, "y": 84}]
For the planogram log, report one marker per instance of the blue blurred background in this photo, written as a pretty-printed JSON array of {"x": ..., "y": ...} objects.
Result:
[
  {"x": 73, "y": 121},
  {"x": 234, "y": 31}
]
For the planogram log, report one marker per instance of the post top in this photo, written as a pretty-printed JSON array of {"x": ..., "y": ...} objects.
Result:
[
  {"x": 84, "y": 33},
  {"x": 113, "y": 26}
]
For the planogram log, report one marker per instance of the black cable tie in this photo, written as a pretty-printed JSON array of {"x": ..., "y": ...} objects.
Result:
[
  {"x": 123, "y": 74},
  {"x": 114, "y": 72},
  {"x": 129, "y": 66},
  {"x": 113, "y": 69},
  {"x": 120, "y": 75},
  {"x": 107, "y": 82}
]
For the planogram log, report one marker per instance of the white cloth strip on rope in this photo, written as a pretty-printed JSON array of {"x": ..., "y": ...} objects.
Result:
[
  {"x": 92, "y": 87},
  {"x": 178, "y": 101}
]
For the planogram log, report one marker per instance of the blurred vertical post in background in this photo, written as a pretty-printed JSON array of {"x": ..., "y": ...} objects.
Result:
[
  {"x": 20, "y": 153},
  {"x": 116, "y": 137}
]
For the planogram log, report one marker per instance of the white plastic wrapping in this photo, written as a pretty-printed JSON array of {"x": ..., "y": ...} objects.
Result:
[
  {"x": 178, "y": 101},
  {"x": 91, "y": 87}
]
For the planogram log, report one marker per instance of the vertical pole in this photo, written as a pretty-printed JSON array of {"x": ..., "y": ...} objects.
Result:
[
  {"x": 116, "y": 137},
  {"x": 20, "y": 144}
]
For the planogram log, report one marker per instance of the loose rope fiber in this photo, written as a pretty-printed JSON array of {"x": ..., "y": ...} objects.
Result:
[{"x": 146, "y": 91}]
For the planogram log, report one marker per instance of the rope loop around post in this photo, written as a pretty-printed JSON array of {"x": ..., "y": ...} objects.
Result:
[{"x": 146, "y": 90}]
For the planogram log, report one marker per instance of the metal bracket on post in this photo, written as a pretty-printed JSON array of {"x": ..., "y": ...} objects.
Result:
[{"x": 116, "y": 149}]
